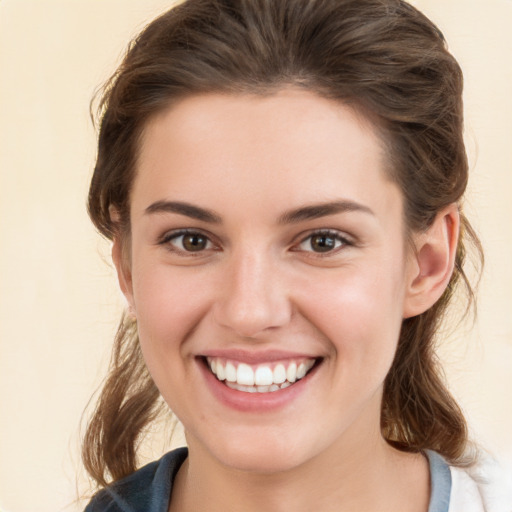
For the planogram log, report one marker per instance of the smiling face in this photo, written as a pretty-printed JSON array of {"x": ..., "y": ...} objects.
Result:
[{"x": 267, "y": 243}]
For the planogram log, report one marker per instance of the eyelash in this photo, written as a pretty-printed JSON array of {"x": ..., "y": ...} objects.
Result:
[
  {"x": 344, "y": 242},
  {"x": 167, "y": 239}
]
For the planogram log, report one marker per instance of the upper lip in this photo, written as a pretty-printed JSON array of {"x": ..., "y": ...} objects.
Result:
[{"x": 255, "y": 357}]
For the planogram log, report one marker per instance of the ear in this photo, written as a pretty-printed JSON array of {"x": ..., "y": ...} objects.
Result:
[
  {"x": 122, "y": 264},
  {"x": 431, "y": 265}
]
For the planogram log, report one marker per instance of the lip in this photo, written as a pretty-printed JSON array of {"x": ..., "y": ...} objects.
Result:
[
  {"x": 268, "y": 356},
  {"x": 254, "y": 402}
]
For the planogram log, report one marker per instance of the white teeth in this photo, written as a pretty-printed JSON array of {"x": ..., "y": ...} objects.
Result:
[
  {"x": 239, "y": 387},
  {"x": 230, "y": 372},
  {"x": 279, "y": 375},
  {"x": 245, "y": 375},
  {"x": 220, "y": 372},
  {"x": 301, "y": 371},
  {"x": 257, "y": 389},
  {"x": 263, "y": 376},
  {"x": 291, "y": 373}
]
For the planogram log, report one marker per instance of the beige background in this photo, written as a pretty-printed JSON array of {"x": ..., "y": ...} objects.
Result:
[{"x": 59, "y": 302}]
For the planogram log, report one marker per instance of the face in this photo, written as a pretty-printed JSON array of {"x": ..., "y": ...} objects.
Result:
[{"x": 268, "y": 274}]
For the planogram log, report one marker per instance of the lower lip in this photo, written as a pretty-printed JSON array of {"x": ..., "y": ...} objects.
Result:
[{"x": 254, "y": 402}]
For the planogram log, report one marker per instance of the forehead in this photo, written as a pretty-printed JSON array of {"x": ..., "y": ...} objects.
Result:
[{"x": 291, "y": 146}]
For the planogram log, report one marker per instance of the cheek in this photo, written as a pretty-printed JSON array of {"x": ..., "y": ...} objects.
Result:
[
  {"x": 360, "y": 312},
  {"x": 169, "y": 303}
]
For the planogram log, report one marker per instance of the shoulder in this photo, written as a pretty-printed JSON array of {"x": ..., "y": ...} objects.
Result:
[
  {"x": 148, "y": 488},
  {"x": 484, "y": 487}
]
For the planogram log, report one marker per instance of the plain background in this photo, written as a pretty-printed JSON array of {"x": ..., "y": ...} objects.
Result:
[{"x": 59, "y": 302}]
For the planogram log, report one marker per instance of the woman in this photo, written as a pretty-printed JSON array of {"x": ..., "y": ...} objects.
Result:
[{"x": 282, "y": 183}]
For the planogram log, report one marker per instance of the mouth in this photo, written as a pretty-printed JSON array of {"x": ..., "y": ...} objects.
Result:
[{"x": 261, "y": 378}]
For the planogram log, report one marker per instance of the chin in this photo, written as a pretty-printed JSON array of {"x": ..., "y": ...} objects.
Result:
[
  {"x": 262, "y": 463},
  {"x": 265, "y": 456}
]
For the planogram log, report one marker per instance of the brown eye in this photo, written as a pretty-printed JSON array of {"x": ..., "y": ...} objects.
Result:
[
  {"x": 323, "y": 242},
  {"x": 185, "y": 241},
  {"x": 194, "y": 242}
]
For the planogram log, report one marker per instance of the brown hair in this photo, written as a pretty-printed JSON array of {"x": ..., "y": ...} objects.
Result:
[{"x": 382, "y": 57}]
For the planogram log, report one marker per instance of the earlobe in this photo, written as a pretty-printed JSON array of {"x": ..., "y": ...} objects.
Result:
[{"x": 433, "y": 261}]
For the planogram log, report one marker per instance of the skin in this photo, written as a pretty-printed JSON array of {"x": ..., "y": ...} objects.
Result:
[{"x": 259, "y": 284}]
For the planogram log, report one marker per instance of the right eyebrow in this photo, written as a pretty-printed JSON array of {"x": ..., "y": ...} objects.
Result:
[{"x": 186, "y": 209}]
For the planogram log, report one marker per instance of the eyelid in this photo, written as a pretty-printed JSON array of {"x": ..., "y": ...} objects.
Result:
[
  {"x": 168, "y": 236},
  {"x": 346, "y": 241}
]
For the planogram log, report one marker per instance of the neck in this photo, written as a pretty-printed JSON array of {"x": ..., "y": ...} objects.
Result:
[{"x": 364, "y": 475}]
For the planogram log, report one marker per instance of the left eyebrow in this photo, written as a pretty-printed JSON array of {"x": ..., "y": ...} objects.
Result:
[{"x": 316, "y": 211}]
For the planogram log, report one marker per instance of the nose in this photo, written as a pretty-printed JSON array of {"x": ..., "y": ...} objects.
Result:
[{"x": 253, "y": 298}]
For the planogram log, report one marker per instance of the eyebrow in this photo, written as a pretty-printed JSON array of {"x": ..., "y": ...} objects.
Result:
[
  {"x": 316, "y": 211},
  {"x": 187, "y": 209},
  {"x": 310, "y": 212}
]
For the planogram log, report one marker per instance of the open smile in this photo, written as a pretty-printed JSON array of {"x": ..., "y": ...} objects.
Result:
[{"x": 260, "y": 378}]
